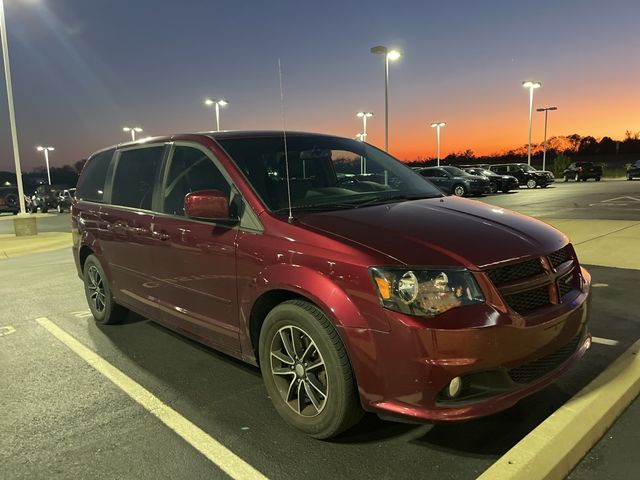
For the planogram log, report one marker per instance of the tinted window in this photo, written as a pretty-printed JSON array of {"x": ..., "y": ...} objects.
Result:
[
  {"x": 324, "y": 172},
  {"x": 500, "y": 169},
  {"x": 94, "y": 174},
  {"x": 455, "y": 171},
  {"x": 135, "y": 177},
  {"x": 190, "y": 170}
]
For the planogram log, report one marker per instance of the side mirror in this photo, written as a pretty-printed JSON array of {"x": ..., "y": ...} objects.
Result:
[{"x": 207, "y": 205}]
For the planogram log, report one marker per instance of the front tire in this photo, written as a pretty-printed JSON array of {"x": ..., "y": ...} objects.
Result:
[
  {"x": 597, "y": 179},
  {"x": 306, "y": 370},
  {"x": 459, "y": 190},
  {"x": 98, "y": 293},
  {"x": 59, "y": 208},
  {"x": 531, "y": 183}
]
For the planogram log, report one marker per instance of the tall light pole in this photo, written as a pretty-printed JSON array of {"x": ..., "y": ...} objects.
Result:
[
  {"x": 438, "y": 126},
  {"x": 133, "y": 131},
  {"x": 531, "y": 85},
  {"x": 12, "y": 115},
  {"x": 544, "y": 151},
  {"x": 46, "y": 151},
  {"x": 364, "y": 116},
  {"x": 388, "y": 55},
  {"x": 217, "y": 102}
]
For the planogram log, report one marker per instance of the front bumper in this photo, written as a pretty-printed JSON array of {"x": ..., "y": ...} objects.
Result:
[{"x": 405, "y": 372}]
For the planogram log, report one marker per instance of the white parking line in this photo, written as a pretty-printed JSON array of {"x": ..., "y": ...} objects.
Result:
[
  {"x": 217, "y": 453},
  {"x": 604, "y": 341}
]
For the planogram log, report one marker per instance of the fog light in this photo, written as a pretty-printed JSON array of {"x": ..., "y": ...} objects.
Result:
[{"x": 454, "y": 388}]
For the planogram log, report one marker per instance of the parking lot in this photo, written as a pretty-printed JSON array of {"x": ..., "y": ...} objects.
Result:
[{"x": 178, "y": 404}]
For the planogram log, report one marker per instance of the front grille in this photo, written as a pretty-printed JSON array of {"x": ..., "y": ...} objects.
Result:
[
  {"x": 529, "y": 300},
  {"x": 518, "y": 271},
  {"x": 559, "y": 257},
  {"x": 540, "y": 367},
  {"x": 525, "y": 289}
]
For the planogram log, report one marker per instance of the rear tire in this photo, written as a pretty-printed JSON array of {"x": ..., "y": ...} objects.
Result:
[
  {"x": 493, "y": 187},
  {"x": 597, "y": 179},
  {"x": 306, "y": 370},
  {"x": 531, "y": 183},
  {"x": 98, "y": 293},
  {"x": 505, "y": 190},
  {"x": 59, "y": 208}
]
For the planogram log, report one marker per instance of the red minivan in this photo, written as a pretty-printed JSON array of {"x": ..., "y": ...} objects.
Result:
[{"x": 350, "y": 280}]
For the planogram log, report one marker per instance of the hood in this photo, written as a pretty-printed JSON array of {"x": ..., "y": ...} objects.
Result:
[{"x": 440, "y": 231}]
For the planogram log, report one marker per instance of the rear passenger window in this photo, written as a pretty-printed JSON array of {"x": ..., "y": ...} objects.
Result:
[
  {"x": 91, "y": 183},
  {"x": 135, "y": 177},
  {"x": 190, "y": 170}
]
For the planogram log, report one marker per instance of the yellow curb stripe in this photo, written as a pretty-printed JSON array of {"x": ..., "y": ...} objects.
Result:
[
  {"x": 218, "y": 454},
  {"x": 553, "y": 448}
]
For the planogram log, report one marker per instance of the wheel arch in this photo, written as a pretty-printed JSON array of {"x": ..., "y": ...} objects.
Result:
[{"x": 289, "y": 282}]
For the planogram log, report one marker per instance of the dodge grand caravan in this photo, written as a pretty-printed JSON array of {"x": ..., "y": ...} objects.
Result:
[{"x": 349, "y": 279}]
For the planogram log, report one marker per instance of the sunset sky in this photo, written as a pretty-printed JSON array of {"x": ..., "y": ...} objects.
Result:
[{"x": 83, "y": 69}]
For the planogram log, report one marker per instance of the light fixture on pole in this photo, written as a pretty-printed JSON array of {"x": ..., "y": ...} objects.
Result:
[
  {"x": 388, "y": 55},
  {"x": 12, "y": 115},
  {"x": 219, "y": 102},
  {"x": 544, "y": 151},
  {"x": 438, "y": 126},
  {"x": 364, "y": 116},
  {"x": 133, "y": 131},
  {"x": 46, "y": 151},
  {"x": 531, "y": 85}
]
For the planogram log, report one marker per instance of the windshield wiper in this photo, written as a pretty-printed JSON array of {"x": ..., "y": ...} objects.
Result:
[
  {"x": 394, "y": 198},
  {"x": 315, "y": 208}
]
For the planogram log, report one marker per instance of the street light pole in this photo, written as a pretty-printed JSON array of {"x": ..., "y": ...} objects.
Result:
[
  {"x": 364, "y": 116},
  {"x": 133, "y": 131},
  {"x": 217, "y": 103},
  {"x": 437, "y": 126},
  {"x": 388, "y": 55},
  {"x": 12, "y": 116},
  {"x": 531, "y": 85},
  {"x": 544, "y": 151},
  {"x": 46, "y": 151}
]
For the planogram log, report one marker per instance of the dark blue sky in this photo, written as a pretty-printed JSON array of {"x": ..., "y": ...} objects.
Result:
[{"x": 82, "y": 69}]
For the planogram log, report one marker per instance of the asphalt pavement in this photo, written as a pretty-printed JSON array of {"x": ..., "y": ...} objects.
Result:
[{"x": 63, "y": 419}]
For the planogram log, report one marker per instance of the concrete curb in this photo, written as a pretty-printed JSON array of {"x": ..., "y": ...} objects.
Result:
[
  {"x": 553, "y": 448},
  {"x": 12, "y": 246}
]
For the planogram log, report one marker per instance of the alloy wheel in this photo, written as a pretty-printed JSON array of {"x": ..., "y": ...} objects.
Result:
[
  {"x": 299, "y": 371},
  {"x": 458, "y": 191},
  {"x": 95, "y": 288},
  {"x": 531, "y": 183}
]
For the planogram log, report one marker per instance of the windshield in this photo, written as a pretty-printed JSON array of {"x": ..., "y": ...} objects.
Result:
[
  {"x": 456, "y": 171},
  {"x": 326, "y": 173}
]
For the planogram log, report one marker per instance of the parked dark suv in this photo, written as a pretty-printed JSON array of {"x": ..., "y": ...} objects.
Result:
[
  {"x": 351, "y": 281},
  {"x": 44, "y": 198},
  {"x": 582, "y": 171},
  {"x": 457, "y": 182},
  {"x": 633, "y": 170},
  {"x": 9, "y": 200},
  {"x": 526, "y": 174}
]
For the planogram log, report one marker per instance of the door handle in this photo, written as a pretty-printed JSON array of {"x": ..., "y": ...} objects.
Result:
[{"x": 162, "y": 235}]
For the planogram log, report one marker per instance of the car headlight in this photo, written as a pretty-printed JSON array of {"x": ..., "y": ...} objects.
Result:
[{"x": 425, "y": 292}]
